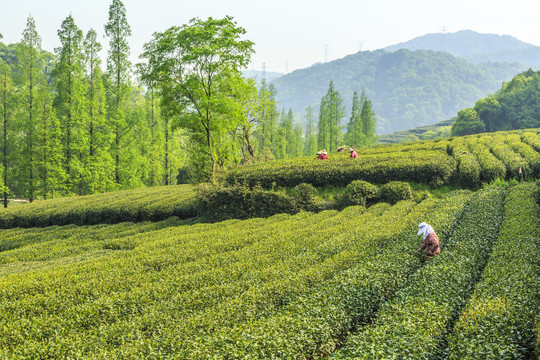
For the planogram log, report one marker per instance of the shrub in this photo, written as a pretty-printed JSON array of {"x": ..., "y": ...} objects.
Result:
[
  {"x": 535, "y": 168},
  {"x": 395, "y": 191},
  {"x": 498, "y": 321},
  {"x": 306, "y": 197},
  {"x": 218, "y": 202},
  {"x": 359, "y": 192}
]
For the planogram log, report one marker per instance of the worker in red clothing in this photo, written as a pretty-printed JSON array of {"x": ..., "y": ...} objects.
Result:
[
  {"x": 354, "y": 155},
  {"x": 431, "y": 241},
  {"x": 324, "y": 155}
]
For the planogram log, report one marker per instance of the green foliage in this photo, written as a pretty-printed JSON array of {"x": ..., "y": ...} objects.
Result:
[
  {"x": 331, "y": 112},
  {"x": 306, "y": 196},
  {"x": 154, "y": 204},
  {"x": 217, "y": 202},
  {"x": 408, "y": 88},
  {"x": 358, "y": 192},
  {"x": 395, "y": 191},
  {"x": 469, "y": 168},
  {"x": 514, "y": 106},
  {"x": 413, "y": 323},
  {"x": 467, "y": 123},
  {"x": 498, "y": 321},
  {"x": 196, "y": 68},
  {"x": 421, "y": 166},
  {"x": 535, "y": 169}
]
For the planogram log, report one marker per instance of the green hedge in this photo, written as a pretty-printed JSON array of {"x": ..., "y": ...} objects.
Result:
[
  {"x": 469, "y": 169},
  {"x": 154, "y": 203},
  {"x": 420, "y": 166},
  {"x": 217, "y": 202},
  {"x": 499, "y": 319},
  {"x": 380, "y": 256},
  {"x": 491, "y": 167},
  {"x": 413, "y": 324}
]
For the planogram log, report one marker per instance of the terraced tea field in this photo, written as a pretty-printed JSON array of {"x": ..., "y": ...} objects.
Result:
[{"x": 339, "y": 285}]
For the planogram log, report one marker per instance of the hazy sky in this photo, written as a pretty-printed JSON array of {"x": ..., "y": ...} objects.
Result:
[{"x": 288, "y": 34}]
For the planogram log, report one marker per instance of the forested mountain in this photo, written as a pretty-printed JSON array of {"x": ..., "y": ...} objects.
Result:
[
  {"x": 408, "y": 88},
  {"x": 515, "y": 106},
  {"x": 476, "y": 47}
]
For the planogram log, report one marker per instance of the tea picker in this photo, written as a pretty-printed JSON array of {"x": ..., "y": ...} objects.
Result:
[{"x": 430, "y": 243}]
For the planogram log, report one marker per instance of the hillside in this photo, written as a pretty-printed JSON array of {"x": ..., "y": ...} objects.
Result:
[
  {"x": 516, "y": 105},
  {"x": 334, "y": 284},
  {"x": 476, "y": 47},
  {"x": 408, "y": 88}
]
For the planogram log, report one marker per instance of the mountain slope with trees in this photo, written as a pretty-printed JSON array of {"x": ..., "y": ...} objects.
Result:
[
  {"x": 515, "y": 106},
  {"x": 408, "y": 88},
  {"x": 476, "y": 47}
]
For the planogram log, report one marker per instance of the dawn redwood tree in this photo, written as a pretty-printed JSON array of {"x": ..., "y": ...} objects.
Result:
[
  {"x": 31, "y": 78},
  {"x": 330, "y": 115},
  {"x": 98, "y": 162},
  {"x": 52, "y": 174},
  {"x": 6, "y": 94},
  {"x": 299, "y": 146},
  {"x": 368, "y": 122},
  {"x": 268, "y": 116},
  {"x": 310, "y": 142},
  {"x": 118, "y": 80},
  {"x": 69, "y": 101},
  {"x": 199, "y": 64},
  {"x": 355, "y": 134}
]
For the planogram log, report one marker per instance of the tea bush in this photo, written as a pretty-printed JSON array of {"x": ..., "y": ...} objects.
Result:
[
  {"x": 395, "y": 191},
  {"x": 414, "y": 322},
  {"x": 155, "y": 203},
  {"x": 498, "y": 321},
  {"x": 358, "y": 192}
]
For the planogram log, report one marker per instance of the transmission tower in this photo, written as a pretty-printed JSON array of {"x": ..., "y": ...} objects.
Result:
[
  {"x": 286, "y": 66},
  {"x": 264, "y": 71}
]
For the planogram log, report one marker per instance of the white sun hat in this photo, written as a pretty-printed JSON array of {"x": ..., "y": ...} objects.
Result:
[{"x": 422, "y": 227}]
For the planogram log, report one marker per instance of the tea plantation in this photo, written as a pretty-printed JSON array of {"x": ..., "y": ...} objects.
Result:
[{"x": 133, "y": 275}]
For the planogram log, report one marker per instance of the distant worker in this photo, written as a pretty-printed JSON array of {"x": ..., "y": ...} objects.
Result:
[
  {"x": 431, "y": 241},
  {"x": 324, "y": 155},
  {"x": 354, "y": 155},
  {"x": 341, "y": 148}
]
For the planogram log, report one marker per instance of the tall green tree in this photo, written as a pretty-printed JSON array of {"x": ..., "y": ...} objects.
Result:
[
  {"x": 355, "y": 134},
  {"x": 252, "y": 112},
  {"x": 298, "y": 144},
  {"x": 118, "y": 80},
  {"x": 98, "y": 162},
  {"x": 330, "y": 115},
  {"x": 31, "y": 78},
  {"x": 310, "y": 143},
  {"x": 268, "y": 117},
  {"x": 6, "y": 110},
  {"x": 368, "y": 123},
  {"x": 199, "y": 64},
  {"x": 52, "y": 174},
  {"x": 69, "y": 101},
  {"x": 287, "y": 122}
]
